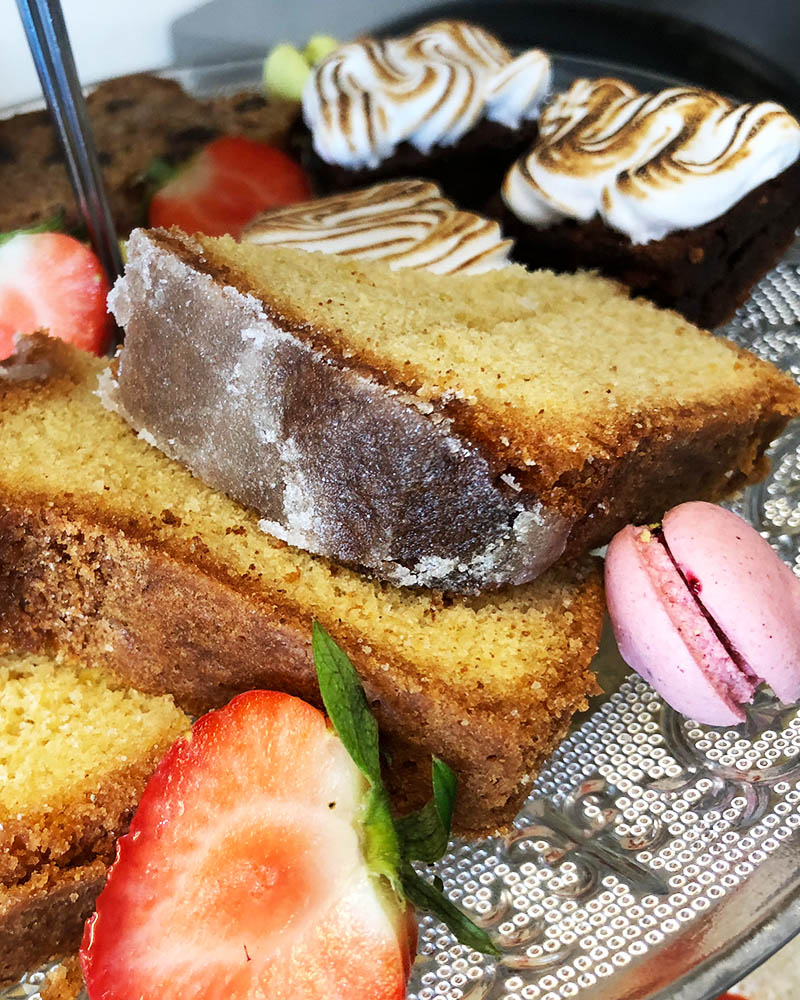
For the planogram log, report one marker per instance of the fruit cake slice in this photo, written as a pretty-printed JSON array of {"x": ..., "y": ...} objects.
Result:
[
  {"x": 440, "y": 430},
  {"x": 107, "y": 546},
  {"x": 76, "y": 751},
  {"x": 136, "y": 120}
]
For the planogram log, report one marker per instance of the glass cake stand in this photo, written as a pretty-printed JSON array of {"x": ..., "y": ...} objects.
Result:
[{"x": 656, "y": 858}]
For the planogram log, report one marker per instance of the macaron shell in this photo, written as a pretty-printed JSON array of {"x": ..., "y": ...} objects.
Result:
[
  {"x": 745, "y": 587},
  {"x": 648, "y": 637}
]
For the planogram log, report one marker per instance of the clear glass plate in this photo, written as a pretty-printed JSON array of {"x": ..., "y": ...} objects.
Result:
[{"x": 656, "y": 859}]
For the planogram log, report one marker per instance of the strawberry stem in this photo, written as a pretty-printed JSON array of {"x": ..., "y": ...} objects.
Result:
[{"x": 391, "y": 845}]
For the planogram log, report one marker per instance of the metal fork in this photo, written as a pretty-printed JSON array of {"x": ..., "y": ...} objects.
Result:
[{"x": 52, "y": 53}]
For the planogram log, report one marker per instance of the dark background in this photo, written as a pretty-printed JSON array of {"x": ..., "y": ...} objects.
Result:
[{"x": 747, "y": 48}]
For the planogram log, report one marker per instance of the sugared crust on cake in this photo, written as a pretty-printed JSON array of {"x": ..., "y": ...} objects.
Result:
[
  {"x": 109, "y": 547},
  {"x": 500, "y": 419},
  {"x": 64, "y": 982},
  {"x": 43, "y": 917}
]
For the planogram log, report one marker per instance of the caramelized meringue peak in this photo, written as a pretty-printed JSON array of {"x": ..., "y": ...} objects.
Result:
[
  {"x": 427, "y": 89},
  {"x": 406, "y": 223},
  {"x": 647, "y": 164}
]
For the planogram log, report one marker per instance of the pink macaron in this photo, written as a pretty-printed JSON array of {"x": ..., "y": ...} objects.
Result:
[{"x": 704, "y": 610}]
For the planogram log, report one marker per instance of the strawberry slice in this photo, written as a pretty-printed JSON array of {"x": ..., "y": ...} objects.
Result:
[
  {"x": 243, "y": 874},
  {"x": 225, "y": 185},
  {"x": 54, "y": 282}
]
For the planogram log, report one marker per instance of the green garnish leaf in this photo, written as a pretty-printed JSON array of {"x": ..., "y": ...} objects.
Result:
[
  {"x": 346, "y": 704},
  {"x": 55, "y": 224},
  {"x": 157, "y": 173},
  {"x": 431, "y": 899},
  {"x": 390, "y": 845},
  {"x": 425, "y": 834}
]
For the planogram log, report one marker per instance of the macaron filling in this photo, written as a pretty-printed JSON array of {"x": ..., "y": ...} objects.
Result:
[{"x": 721, "y": 664}]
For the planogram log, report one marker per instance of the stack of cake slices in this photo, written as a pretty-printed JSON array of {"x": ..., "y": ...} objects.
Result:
[{"x": 419, "y": 461}]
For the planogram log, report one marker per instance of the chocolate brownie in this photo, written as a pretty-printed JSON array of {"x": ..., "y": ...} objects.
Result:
[{"x": 685, "y": 196}]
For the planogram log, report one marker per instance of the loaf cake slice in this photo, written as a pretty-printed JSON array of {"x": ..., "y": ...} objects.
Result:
[
  {"x": 110, "y": 548},
  {"x": 75, "y": 754},
  {"x": 439, "y": 430}
]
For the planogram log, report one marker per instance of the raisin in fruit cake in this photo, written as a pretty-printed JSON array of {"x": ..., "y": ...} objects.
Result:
[
  {"x": 450, "y": 431},
  {"x": 684, "y": 195},
  {"x": 110, "y": 548},
  {"x": 76, "y": 751}
]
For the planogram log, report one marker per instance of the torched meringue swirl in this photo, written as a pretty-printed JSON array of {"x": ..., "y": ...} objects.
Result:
[
  {"x": 427, "y": 89},
  {"x": 405, "y": 223},
  {"x": 647, "y": 164}
]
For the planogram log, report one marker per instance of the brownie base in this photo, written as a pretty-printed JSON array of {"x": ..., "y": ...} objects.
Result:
[
  {"x": 469, "y": 172},
  {"x": 704, "y": 273}
]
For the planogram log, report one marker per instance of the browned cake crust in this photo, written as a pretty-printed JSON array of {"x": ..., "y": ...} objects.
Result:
[
  {"x": 704, "y": 273},
  {"x": 136, "y": 119},
  {"x": 64, "y": 982},
  {"x": 76, "y": 831},
  {"x": 43, "y": 918},
  {"x": 131, "y": 592}
]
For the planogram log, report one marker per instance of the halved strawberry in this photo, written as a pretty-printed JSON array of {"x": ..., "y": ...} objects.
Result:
[
  {"x": 225, "y": 185},
  {"x": 244, "y": 875},
  {"x": 54, "y": 282}
]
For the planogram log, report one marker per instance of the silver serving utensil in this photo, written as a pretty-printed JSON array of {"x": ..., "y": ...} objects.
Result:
[{"x": 44, "y": 25}]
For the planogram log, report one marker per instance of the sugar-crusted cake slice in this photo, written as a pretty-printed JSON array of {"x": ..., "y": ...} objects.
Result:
[
  {"x": 76, "y": 751},
  {"x": 109, "y": 547},
  {"x": 456, "y": 432}
]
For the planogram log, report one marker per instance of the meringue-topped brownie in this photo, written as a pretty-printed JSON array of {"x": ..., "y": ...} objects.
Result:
[
  {"x": 404, "y": 223},
  {"x": 448, "y": 102},
  {"x": 684, "y": 195},
  {"x": 453, "y": 431}
]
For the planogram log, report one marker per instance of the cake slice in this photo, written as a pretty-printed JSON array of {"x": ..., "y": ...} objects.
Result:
[
  {"x": 110, "y": 548},
  {"x": 450, "y": 431},
  {"x": 76, "y": 751},
  {"x": 138, "y": 121}
]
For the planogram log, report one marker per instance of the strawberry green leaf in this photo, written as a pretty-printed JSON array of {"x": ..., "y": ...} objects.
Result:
[
  {"x": 445, "y": 784},
  {"x": 390, "y": 845},
  {"x": 431, "y": 899},
  {"x": 422, "y": 837},
  {"x": 157, "y": 173},
  {"x": 346, "y": 704},
  {"x": 425, "y": 834},
  {"x": 53, "y": 224}
]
